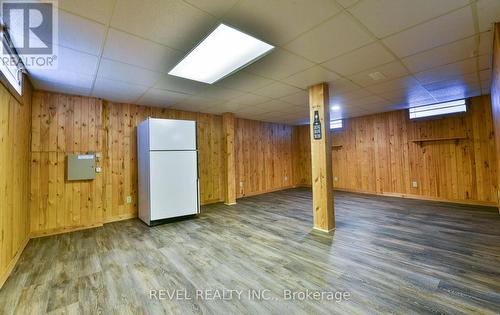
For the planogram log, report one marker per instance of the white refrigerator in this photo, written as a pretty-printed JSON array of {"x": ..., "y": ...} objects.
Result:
[{"x": 168, "y": 169}]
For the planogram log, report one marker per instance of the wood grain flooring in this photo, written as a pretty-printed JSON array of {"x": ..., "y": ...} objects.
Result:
[{"x": 392, "y": 255}]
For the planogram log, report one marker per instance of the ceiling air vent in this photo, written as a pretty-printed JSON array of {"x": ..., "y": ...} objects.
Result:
[{"x": 377, "y": 76}]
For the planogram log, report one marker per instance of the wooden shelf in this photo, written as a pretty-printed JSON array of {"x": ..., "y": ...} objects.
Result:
[{"x": 420, "y": 141}]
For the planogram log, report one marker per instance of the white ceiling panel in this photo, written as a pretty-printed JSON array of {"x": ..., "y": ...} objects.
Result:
[
  {"x": 250, "y": 99},
  {"x": 90, "y": 36},
  {"x": 445, "y": 72},
  {"x": 97, "y": 10},
  {"x": 220, "y": 93},
  {"x": 139, "y": 52},
  {"x": 485, "y": 62},
  {"x": 342, "y": 86},
  {"x": 408, "y": 83},
  {"x": 440, "y": 31},
  {"x": 61, "y": 87},
  {"x": 277, "y": 90},
  {"x": 486, "y": 43},
  {"x": 488, "y": 12},
  {"x": 161, "y": 98},
  {"x": 389, "y": 71},
  {"x": 385, "y": 17},
  {"x": 311, "y": 76},
  {"x": 333, "y": 38},
  {"x": 173, "y": 23},
  {"x": 176, "y": 84},
  {"x": 485, "y": 75},
  {"x": 454, "y": 81},
  {"x": 360, "y": 59},
  {"x": 279, "y": 64},
  {"x": 276, "y": 105},
  {"x": 442, "y": 55},
  {"x": 279, "y": 21},
  {"x": 69, "y": 60},
  {"x": 347, "y": 3},
  {"x": 244, "y": 81},
  {"x": 119, "y": 71},
  {"x": 116, "y": 91},
  {"x": 300, "y": 98},
  {"x": 215, "y": 7}
]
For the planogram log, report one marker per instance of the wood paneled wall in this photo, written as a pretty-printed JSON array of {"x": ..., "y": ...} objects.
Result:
[
  {"x": 376, "y": 154},
  {"x": 15, "y": 122},
  {"x": 495, "y": 96},
  {"x": 64, "y": 124},
  {"x": 263, "y": 157}
]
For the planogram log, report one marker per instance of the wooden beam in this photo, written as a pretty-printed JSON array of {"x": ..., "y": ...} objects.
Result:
[
  {"x": 321, "y": 158},
  {"x": 495, "y": 98},
  {"x": 229, "y": 163}
]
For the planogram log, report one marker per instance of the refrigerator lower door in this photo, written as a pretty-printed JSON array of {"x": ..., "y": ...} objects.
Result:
[{"x": 174, "y": 184}]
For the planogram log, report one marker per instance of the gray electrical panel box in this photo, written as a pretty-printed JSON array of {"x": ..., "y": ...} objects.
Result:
[{"x": 81, "y": 166}]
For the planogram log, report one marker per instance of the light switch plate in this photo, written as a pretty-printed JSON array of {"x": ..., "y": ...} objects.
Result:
[
  {"x": 98, "y": 169},
  {"x": 414, "y": 184}
]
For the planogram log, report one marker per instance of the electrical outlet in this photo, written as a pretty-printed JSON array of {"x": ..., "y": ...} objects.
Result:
[
  {"x": 98, "y": 169},
  {"x": 286, "y": 178},
  {"x": 414, "y": 184},
  {"x": 335, "y": 179},
  {"x": 98, "y": 155},
  {"x": 241, "y": 184},
  {"x": 129, "y": 199}
]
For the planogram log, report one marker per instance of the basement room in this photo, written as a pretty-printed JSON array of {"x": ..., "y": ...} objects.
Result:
[{"x": 250, "y": 157}]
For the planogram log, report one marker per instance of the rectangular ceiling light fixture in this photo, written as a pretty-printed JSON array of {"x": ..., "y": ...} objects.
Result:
[
  {"x": 221, "y": 53},
  {"x": 438, "y": 109}
]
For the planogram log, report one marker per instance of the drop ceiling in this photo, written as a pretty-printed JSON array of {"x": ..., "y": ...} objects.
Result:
[{"x": 419, "y": 52}]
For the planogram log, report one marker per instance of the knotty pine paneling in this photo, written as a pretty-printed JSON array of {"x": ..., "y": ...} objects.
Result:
[
  {"x": 378, "y": 156},
  {"x": 495, "y": 96},
  {"x": 63, "y": 124},
  {"x": 15, "y": 122},
  {"x": 120, "y": 155},
  {"x": 263, "y": 157}
]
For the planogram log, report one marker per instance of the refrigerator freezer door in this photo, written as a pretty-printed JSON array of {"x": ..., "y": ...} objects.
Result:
[
  {"x": 174, "y": 184},
  {"x": 169, "y": 134}
]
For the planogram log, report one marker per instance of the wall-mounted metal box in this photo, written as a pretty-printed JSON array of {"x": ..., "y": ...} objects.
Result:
[{"x": 81, "y": 166}]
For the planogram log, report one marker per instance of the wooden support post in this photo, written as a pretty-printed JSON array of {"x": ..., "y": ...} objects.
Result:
[
  {"x": 229, "y": 166},
  {"x": 321, "y": 158}
]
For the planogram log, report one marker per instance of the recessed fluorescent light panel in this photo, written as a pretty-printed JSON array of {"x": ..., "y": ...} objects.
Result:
[
  {"x": 223, "y": 52},
  {"x": 438, "y": 109},
  {"x": 336, "y": 124}
]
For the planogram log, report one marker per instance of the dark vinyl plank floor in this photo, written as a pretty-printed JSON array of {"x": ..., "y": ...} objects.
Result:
[{"x": 391, "y": 255}]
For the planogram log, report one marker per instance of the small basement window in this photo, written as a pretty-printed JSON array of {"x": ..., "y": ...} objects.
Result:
[
  {"x": 458, "y": 106},
  {"x": 10, "y": 64},
  {"x": 336, "y": 124}
]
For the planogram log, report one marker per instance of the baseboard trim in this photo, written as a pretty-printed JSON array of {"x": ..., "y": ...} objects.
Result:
[
  {"x": 57, "y": 231},
  {"x": 323, "y": 230},
  {"x": 421, "y": 197},
  {"x": 229, "y": 203},
  {"x": 13, "y": 262},
  {"x": 255, "y": 193},
  {"x": 120, "y": 218}
]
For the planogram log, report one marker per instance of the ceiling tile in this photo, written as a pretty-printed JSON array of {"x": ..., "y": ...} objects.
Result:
[
  {"x": 279, "y": 64},
  {"x": 277, "y": 90},
  {"x": 440, "y": 31},
  {"x": 173, "y": 23},
  {"x": 161, "y": 98},
  {"x": 116, "y": 91},
  {"x": 385, "y": 17},
  {"x": 407, "y": 82},
  {"x": 251, "y": 110},
  {"x": 250, "y": 99},
  {"x": 342, "y": 86},
  {"x": 119, "y": 71},
  {"x": 485, "y": 75},
  {"x": 68, "y": 60},
  {"x": 279, "y": 21},
  {"x": 390, "y": 71},
  {"x": 310, "y": 77},
  {"x": 198, "y": 102},
  {"x": 347, "y": 3},
  {"x": 244, "y": 81},
  {"x": 488, "y": 12},
  {"x": 445, "y": 72},
  {"x": 215, "y": 7},
  {"x": 360, "y": 59},
  {"x": 453, "y": 81},
  {"x": 176, "y": 84},
  {"x": 90, "y": 36},
  {"x": 276, "y": 105},
  {"x": 82, "y": 87},
  {"x": 140, "y": 52},
  {"x": 97, "y": 10},
  {"x": 486, "y": 43},
  {"x": 299, "y": 98},
  {"x": 441, "y": 55},
  {"x": 227, "y": 107},
  {"x": 219, "y": 93},
  {"x": 485, "y": 62},
  {"x": 333, "y": 38}
]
